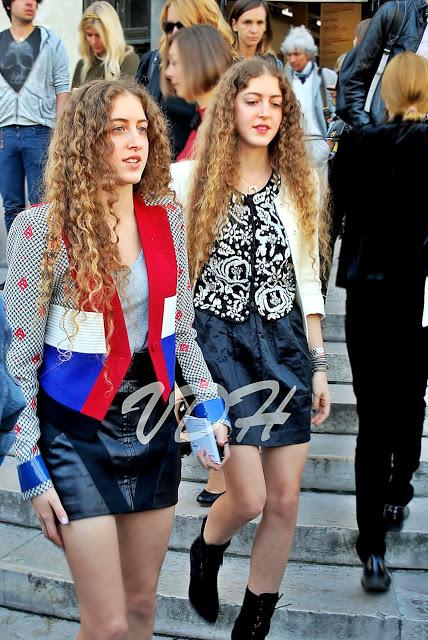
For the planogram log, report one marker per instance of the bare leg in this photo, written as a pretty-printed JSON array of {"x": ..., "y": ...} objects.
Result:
[
  {"x": 143, "y": 540},
  {"x": 283, "y": 469},
  {"x": 244, "y": 498},
  {"x": 92, "y": 551}
]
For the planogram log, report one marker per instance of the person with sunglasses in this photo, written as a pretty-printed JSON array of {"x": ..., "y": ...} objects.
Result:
[{"x": 175, "y": 15}]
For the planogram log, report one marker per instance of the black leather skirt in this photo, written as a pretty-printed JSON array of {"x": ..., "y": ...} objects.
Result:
[{"x": 100, "y": 468}]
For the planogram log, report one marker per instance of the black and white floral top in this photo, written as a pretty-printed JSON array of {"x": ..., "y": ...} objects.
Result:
[{"x": 250, "y": 266}]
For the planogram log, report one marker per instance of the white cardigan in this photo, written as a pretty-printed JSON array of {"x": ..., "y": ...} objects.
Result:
[{"x": 309, "y": 294}]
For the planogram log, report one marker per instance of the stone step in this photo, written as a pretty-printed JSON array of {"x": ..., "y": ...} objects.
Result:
[
  {"x": 330, "y": 466},
  {"x": 319, "y": 602},
  {"x": 326, "y": 530},
  {"x": 19, "y": 625},
  {"x": 333, "y": 325},
  {"x": 338, "y": 362},
  {"x": 343, "y": 416},
  {"x": 326, "y": 526}
]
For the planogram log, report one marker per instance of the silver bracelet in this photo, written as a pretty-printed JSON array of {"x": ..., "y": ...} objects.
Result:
[{"x": 317, "y": 351}]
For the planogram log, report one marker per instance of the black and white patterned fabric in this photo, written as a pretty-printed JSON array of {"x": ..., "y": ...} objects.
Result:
[{"x": 250, "y": 265}]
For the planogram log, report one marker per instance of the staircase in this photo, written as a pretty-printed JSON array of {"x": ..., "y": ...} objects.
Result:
[{"x": 322, "y": 598}]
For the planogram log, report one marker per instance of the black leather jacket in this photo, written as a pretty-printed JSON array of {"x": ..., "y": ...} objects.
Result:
[
  {"x": 380, "y": 183},
  {"x": 356, "y": 77}
]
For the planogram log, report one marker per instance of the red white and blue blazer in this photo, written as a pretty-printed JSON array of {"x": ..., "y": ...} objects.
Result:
[{"x": 46, "y": 352}]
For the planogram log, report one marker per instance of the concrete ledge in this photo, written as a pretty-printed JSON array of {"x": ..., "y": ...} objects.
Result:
[
  {"x": 338, "y": 362},
  {"x": 325, "y": 534},
  {"x": 333, "y": 327},
  {"x": 319, "y": 602},
  {"x": 330, "y": 466},
  {"x": 19, "y": 625}
]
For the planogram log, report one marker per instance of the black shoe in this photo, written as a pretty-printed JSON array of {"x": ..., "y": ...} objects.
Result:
[
  {"x": 205, "y": 562},
  {"x": 253, "y": 621},
  {"x": 376, "y": 577},
  {"x": 395, "y": 515},
  {"x": 207, "y": 498}
]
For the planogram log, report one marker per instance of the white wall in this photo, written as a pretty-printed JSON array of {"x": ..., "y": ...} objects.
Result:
[{"x": 62, "y": 16}]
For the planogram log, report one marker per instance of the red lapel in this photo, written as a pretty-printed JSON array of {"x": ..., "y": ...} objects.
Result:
[{"x": 161, "y": 264}]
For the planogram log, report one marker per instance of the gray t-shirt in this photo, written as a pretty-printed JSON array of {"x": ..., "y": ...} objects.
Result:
[
  {"x": 135, "y": 305},
  {"x": 17, "y": 57}
]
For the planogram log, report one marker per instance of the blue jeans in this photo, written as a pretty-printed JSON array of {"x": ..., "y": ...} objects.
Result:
[{"x": 23, "y": 152}]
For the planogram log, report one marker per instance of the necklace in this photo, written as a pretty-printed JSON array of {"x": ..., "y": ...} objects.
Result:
[{"x": 252, "y": 188}]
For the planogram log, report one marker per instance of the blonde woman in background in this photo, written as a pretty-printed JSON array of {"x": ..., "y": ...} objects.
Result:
[
  {"x": 382, "y": 267},
  {"x": 176, "y": 15},
  {"x": 105, "y": 54}
]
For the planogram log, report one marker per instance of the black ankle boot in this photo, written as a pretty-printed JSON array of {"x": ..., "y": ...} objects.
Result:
[
  {"x": 205, "y": 562},
  {"x": 253, "y": 622}
]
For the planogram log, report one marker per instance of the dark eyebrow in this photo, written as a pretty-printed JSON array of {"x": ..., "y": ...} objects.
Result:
[
  {"x": 260, "y": 95},
  {"x": 125, "y": 120}
]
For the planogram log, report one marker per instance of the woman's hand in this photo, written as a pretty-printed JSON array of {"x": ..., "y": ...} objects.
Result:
[
  {"x": 49, "y": 511},
  {"x": 221, "y": 433},
  {"x": 321, "y": 398}
]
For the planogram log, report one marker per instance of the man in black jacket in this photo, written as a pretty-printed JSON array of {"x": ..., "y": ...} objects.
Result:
[{"x": 362, "y": 62}]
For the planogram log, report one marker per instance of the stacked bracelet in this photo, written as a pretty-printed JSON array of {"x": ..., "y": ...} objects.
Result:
[{"x": 318, "y": 359}]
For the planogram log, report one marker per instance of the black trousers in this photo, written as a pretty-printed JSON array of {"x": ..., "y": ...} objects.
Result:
[{"x": 388, "y": 351}]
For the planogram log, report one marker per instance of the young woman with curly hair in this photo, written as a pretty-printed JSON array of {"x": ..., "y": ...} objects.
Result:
[
  {"x": 253, "y": 229},
  {"x": 99, "y": 301},
  {"x": 177, "y": 15}
]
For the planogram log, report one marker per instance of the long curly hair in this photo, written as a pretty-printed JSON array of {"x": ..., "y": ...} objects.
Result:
[
  {"x": 80, "y": 185},
  {"x": 216, "y": 171}
]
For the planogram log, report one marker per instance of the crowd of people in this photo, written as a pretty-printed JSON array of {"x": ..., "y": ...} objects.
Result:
[{"x": 190, "y": 205}]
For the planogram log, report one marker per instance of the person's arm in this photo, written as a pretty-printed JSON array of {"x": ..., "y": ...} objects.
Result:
[
  {"x": 321, "y": 399},
  {"x": 61, "y": 101},
  {"x": 75, "y": 83},
  {"x": 25, "y": 249},
  {"x": 26, "y": 246},
  {"x": 355, "y": 78},
  {"x": 313, "y": 310},
  {"x": 189, "y": 355},
  {"x": 130, "y": 65},
  {"x": 61, "y": 77}
]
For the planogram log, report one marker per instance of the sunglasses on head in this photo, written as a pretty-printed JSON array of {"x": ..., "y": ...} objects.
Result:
[{"x": 169, "y": 27}]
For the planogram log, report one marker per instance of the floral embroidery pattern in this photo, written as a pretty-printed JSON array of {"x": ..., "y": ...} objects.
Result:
[{"x": 250, "y": 265}]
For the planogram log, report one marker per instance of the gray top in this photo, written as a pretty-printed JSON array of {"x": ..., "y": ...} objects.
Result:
[
  {"x": 36, "y": 101},
  {"x": 135, "y": 305}
]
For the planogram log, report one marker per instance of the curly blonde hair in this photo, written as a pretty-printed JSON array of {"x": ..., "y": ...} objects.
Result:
[
  {"x": 81, "y": 189},
  {"x": 216, "y": 171}
]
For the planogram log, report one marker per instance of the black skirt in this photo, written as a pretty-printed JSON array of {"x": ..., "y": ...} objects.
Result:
[
  {"x": 100, "y": 468},
  {"x": 266, "y": 364}
]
